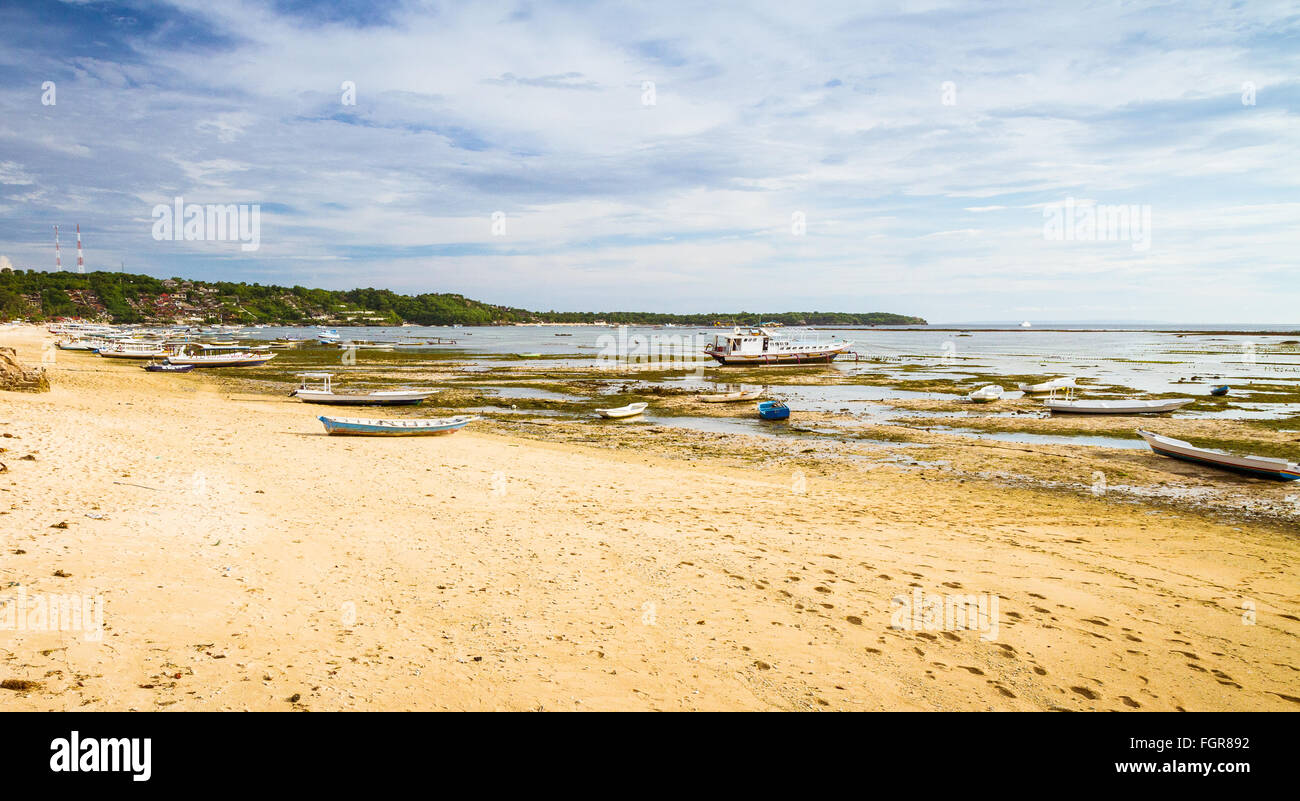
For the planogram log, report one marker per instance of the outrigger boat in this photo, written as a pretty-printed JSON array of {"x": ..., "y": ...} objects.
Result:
[
  {"x": 133, "y": 350},
  {"x": 396, "y": 428},
  {"x": 732, "y": 397},
  {"x": 326, "y": 394},
  {"x": 1263, "y": 466},
  {"x": 220, "y": 357},
  {"x": 760, "y": 346},
  {"x": 630, "y": 410},
  {"x": 1070, "y": 405}
]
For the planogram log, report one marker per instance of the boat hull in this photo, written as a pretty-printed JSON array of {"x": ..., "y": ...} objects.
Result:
[
  {"x": 332, "y": 399},
  {"x": 770, "y": 410},
  {"x": 1073, "y": 407},
  {"x": 631, "y": 410},
  {"x": 393, "y": 428},
  {"x": 1247, "y": 465},
  {"x": 765, "y": 359},
  {"x": 198, "y": 362}
]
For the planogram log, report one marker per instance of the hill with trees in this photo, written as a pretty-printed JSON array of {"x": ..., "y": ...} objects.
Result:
[{"x": 130, "y": 298}]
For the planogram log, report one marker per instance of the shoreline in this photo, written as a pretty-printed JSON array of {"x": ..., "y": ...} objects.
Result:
[{"x": 246, "y": 559}]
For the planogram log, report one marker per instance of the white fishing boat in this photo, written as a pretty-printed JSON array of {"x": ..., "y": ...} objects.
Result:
[
  {"x": 761, "y": 346},
  {"x": 1049, "y": 386},
  {"x": 1264, "y": 466},
  {"x": 733, "y": 396},
  {"x": 986, "y": 394},
  {"x": 133, "y": 350},
  {"x": 1070, "y": 405},
  {"x": 396, "y": 428},
  {"x": 325, "y": 394},
  {"x": 219, "y": 356},
  {"x": 630, "y": 410}
]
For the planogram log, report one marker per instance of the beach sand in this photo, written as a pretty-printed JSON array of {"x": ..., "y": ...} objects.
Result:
[{"x": 248, "y": 561}]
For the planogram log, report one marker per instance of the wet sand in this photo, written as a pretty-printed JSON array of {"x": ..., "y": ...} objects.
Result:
[{"x": 247, "y": 561}]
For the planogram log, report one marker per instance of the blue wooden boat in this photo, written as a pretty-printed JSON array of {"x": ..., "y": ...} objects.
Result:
[
  {"x": 773, "y": 410},
  {"x": 396, "y": 428},
  {"x": 1220, "y": 390}
]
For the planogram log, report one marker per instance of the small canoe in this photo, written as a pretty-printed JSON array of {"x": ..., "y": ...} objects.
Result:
[
  {"x": 1115, "y": 406},
  {"x": 773, "y": 410},
  {"x": 1262, "y": 466},
  {"x": 986, "y": 394},
  {"x": 1048, "y": 386},
  {"x": 384, "y": 397},
  {"x": 1220, "y": 390},
  {"x": 396, "y": 428},
  {"x": 732, "y": 397},
  {"x": 169, "y": 368},
  {"x": 630, "y": 410}
]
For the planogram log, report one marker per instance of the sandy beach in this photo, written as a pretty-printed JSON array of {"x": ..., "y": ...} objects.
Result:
[{"x": 248, "y": 561}]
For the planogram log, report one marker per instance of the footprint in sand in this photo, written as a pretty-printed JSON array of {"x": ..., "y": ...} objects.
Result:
[
  {"x": 1130, "y": 702},
  {"x": 1085, "y": 692}
]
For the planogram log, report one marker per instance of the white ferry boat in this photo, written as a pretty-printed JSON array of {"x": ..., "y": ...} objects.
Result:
[{"x": 759, "y": 346}]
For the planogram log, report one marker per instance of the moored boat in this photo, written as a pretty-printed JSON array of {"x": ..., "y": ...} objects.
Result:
[
  {"x": 732, "y": 397},
  {"x": 1126, "y": 406},
  {"x": 761, "y": 346},
  {"x": 1262, "y": 466},
  {"x": 385, "y": 397},
  {"x": 630, "y": 410},
  {"x": 168, "y": 368},
  {"x": 220, "y": 357},
  {"x": 773, "y": 410},
  {"x": 395, "y": 428},
  {"x": 1219, "y": 391},
  {"x": 986, "y": 394},
  {"x": 1049, "y": 386}
]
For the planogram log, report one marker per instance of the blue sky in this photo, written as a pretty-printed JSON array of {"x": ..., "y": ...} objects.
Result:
[{"x": 912, "y": 199}]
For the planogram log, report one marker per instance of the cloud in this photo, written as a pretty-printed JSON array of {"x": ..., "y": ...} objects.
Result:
[{"x": 650, "y": 155}]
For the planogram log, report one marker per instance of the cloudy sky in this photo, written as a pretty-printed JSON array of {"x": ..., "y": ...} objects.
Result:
[{"x": 671, "y": 156}]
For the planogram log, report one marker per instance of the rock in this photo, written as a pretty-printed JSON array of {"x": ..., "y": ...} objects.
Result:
[{"x": 15, "y": 378}]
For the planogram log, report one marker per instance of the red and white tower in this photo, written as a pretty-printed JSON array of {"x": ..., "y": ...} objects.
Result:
[
  {"x": 81, "y": 264},
  {"x": 58, "y": 258}
]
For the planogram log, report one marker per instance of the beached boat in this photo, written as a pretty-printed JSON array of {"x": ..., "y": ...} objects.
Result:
[
  {"x": 1126, "y": 406},
  {"x": 1049, "y": 386},
  {"x": 761, "y": 346},
  {"x": 169, "y": 368},
  {"x": 773, "y": 410},
  {"x": 986, "y": 394},
  {"x": 630, "y": 410},
  {"x": 327, "y": 336},
  {"x": 1263, "y": 466},
  {"x": 396, "y": 428},
  {"x": 220, "y": 357},
  {"x": 325, "y": 394},
  {"x": 732, "y": 397},
  {"x": 133, "y": 350},
  {"x": 1220, "y": 390}
]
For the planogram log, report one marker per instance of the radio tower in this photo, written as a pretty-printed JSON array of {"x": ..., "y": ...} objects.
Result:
[
  {"x": 58, "y": 259},
  {"x": 81, "y": 264}
]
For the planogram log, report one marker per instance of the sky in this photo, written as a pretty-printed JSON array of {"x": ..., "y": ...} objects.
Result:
[{"x": 930, "y": 158}]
